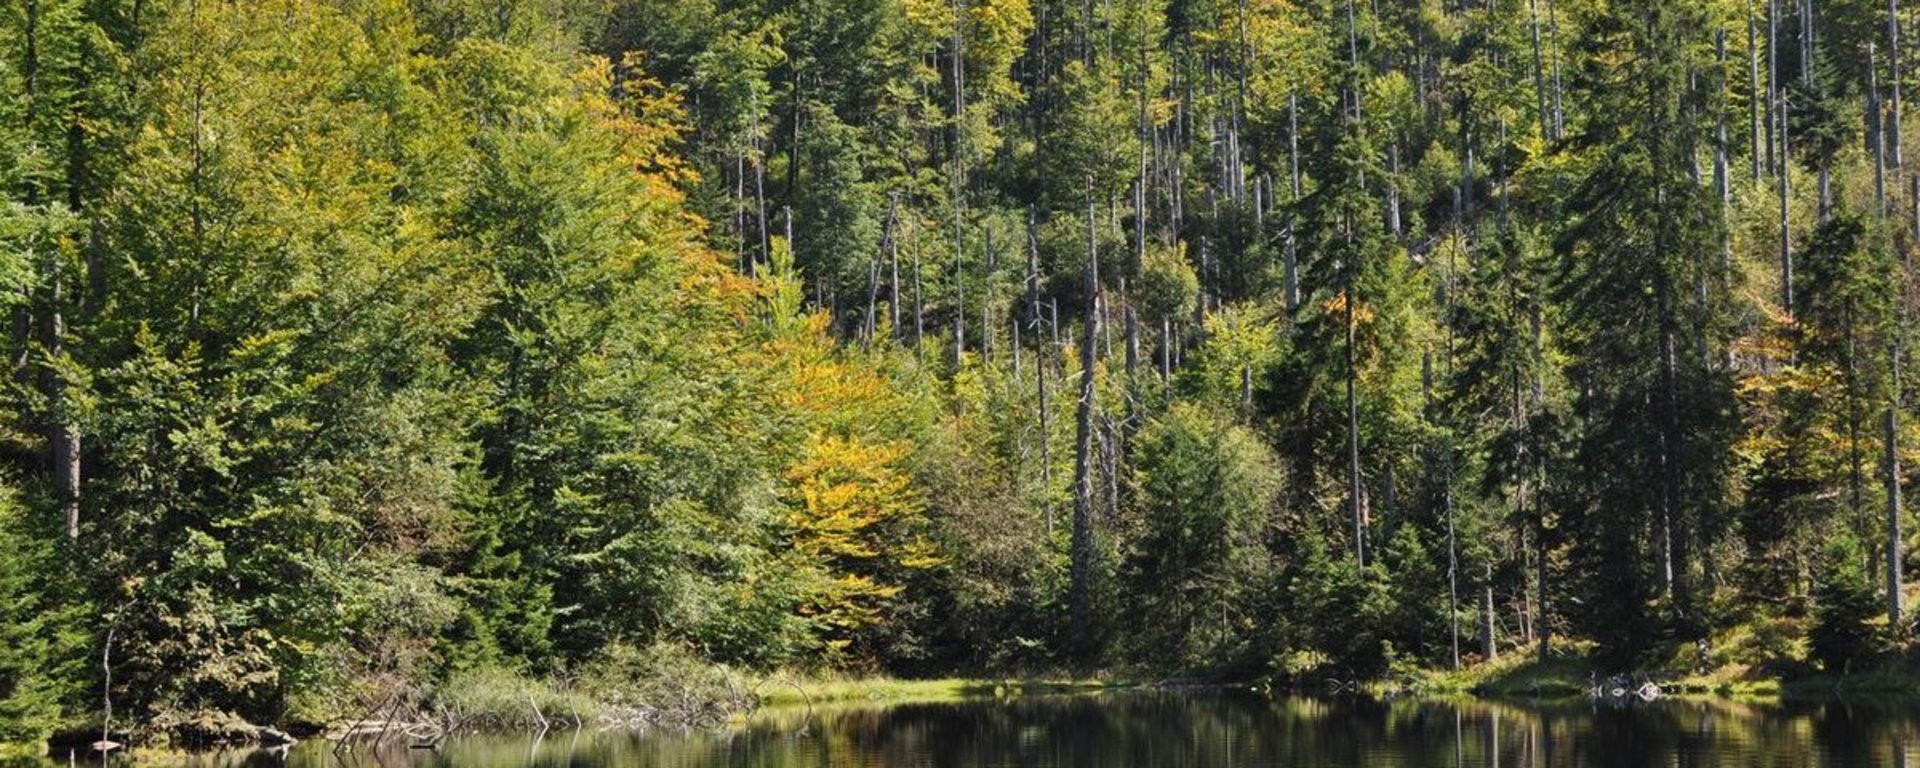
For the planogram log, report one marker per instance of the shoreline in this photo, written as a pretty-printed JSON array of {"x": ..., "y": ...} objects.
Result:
[{"x": 1562, "y": 680}]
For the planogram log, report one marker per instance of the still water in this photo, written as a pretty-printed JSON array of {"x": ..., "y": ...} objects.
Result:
[{"x": 1203, "y": 729}]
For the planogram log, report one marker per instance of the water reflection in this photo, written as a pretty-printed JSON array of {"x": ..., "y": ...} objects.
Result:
[{"x": 1201, "y": 729}]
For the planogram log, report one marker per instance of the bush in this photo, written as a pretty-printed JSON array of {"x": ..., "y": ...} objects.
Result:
[{"x": 1844, "y": 606}]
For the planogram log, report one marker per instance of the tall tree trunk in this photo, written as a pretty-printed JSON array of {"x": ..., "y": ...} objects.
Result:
[
  {"x": 760, "y": 203},
  {"x": 919, "y": 303},
  {"x": 1081, "y": 588},
  {"x": 1786, "y": 242},
  {"x": 1446, "y": 505},
  {"x": 1876, "y": 141},
  {"x": 870, "y": 320},
  {"x": 893, "y": 261},
  {"x": 1041, "y": 370},
  {"x": 1133, "y": 340},
  {"x": 1674, "y": 528},
  {"x": 1806, "y": 44},
  {"x": 1774, "y": 163},
  {"x": 62, "y": 437},
  {"x": 1722, "y": 173},
  {"x": 1539, "y": 71},
  {"x": 1293, "y": 162},
  {"x": 1894, "y": 154},
  {"x": 1553, "y": 38},
  {"x": 1753, "y": 93},
  {"x": 1489, "y": 644},
  {"x": 1892, "y": 461},
  {"x": 1856, "y": 485},
  {"x": 1355, "y": 502},
  {"x": 986, "y": 301}
]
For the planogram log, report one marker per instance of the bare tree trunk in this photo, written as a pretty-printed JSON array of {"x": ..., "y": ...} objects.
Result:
[
  {"x": 959, "y": 313},
  {"x": 986, "y": 302},
  {"x": 1807, "y": 43},
  {"x": 1293, "y": 162},
  {"x": 893, "y": 261},
  {"x": 1876, "y": 142},
  {"x": 1393, "y": 189},
  {"x": 1539, "y": 71},
  {"x": 919, "y": 303},
  {"x": 1753, "y": 92},
  {"x": 1674, "y": 531},
  {"x": 1355, "y": 503},
  {"x": 1489, "y": 645},
  {"x": 1041, "y": 371},
  {"x": 1857, "y": 477},
  {"x": 1786, "y": 243},
  {"x": 1553, "y": 37},
  {"x": 870, "y": 320},
  {"x": 1446, "y": 503},
  {"x": 1722, "y": 172},
  {"x": 1894, "y": 154},
  {"x": 1774, "y": 161},
  {"x": 1082, "y": 546},
  {"x": 1894, "y": 579},
  {"x": 1133, "y": 341}
]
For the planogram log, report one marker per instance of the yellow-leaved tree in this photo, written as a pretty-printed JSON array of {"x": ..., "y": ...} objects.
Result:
[
  {"x": 855, "y": 515},
  {"x": 856, "y": 518}
]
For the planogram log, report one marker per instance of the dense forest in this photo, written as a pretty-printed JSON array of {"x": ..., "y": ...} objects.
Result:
[{"x": 358, "y": 347}]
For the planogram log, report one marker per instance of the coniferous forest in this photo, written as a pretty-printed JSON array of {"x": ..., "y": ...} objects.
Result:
[{"x": 361, "y": 350}]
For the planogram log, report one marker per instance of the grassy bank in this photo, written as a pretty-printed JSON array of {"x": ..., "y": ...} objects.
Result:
[
  {"x": 1526, "y": 677},
  {"x": 780, "y": 690}
]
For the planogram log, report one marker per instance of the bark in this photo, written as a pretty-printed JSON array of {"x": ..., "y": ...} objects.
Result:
[
  {"x": 919, "y": 303},
  {"x": 1876, "y": 141},
  {"x": 1355, "y": 504},
  {"x": 1553, "y": 32},
  {"x": 1040, "y": 371},
  {"x": 1722, "y": 175},
  {"x": 1774, "y": 161},
  {"x": 870, "y": 320},
  {"x": 1393, "y": 189},
  {"x": 760, "y": 202},
  {"x": 1539, "y": 70},
  {"x": 1806, "y": 44},
  {"x": 1786, "y": 244},
  {"x": 1081, "y": 587},
  {"x": 1892, "y": 460},
  {"x": 1489, "y": 645},
  {"x": 1753, "y": 92},
  {"x": 1133, "y": 342},
  {"x": 1893, "y": 81},
  {"x": 893, "y": 260},
  {"x": 1293, "y": 162},
  {"x": 986, "y": 302},
  {"x": 1166, "y": 350}
]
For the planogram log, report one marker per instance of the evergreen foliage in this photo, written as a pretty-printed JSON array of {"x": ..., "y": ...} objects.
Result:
[{"x": 363, "y": 348}]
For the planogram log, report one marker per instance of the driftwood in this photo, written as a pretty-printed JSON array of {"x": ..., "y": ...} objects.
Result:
[{"x": 1621, "y": 688}]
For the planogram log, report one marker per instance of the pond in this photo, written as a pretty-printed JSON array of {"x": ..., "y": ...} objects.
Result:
[{"x": 1211, "y": 728}]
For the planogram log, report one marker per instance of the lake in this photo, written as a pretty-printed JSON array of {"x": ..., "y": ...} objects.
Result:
[{"x": 1210, "y": 728}]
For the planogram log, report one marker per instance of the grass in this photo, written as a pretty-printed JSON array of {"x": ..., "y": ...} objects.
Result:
[
  {"x": 502, "y": 697},
  {"x": 1887, "y": 679},
  {"x": 786, "y": 691},
  {"x": 1569, "y": 672}
]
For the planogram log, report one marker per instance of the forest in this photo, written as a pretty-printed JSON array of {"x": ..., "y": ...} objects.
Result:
[{"x": 377, "y": 349}]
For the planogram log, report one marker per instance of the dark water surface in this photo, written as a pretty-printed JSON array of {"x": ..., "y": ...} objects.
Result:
[{"x": 1203, "y": 729}]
